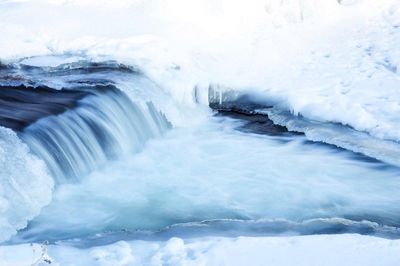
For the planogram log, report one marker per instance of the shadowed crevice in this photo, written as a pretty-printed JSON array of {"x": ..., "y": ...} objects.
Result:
[{"x": 21, "y": 106}]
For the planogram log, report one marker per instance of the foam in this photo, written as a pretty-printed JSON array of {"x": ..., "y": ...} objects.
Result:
[{"x": 211, "y": 171}]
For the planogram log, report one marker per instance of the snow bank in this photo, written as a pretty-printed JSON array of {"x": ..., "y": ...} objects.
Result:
[
  {"x": 299, "y": 250},
  {"x": 25, "y": 186},
  {"x": 331, "y": 61}
]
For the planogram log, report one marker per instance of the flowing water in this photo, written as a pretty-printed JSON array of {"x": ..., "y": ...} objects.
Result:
[{"x": 122, "y": 171}]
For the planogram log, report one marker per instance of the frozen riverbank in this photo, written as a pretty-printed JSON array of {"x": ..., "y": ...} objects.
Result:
[
  {"x": 330, "y": 69},
  {"x": 321, "y": 250},
  {"x": 331, "y": 61}
]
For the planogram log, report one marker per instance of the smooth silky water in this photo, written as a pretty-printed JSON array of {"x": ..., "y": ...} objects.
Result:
[
  {"x": 214, "y": 179},
  {"x": 103, "y": 126},
  {"x": 122, "y": 172}
]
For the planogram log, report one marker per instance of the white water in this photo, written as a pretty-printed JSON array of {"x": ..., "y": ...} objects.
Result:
[
  {"x": 211, "y": 172},
  {"x": 202, "y": 170},
  {"x": 325, "y": 61},
  {"x": 104, "y": 126}
]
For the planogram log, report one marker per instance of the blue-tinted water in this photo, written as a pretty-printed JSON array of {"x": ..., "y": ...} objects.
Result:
[{"x": 213, "y": 175}]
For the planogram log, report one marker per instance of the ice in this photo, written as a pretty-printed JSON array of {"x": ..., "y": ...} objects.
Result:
[
  {"x": 251, "y": 102},
  {"x": 338, "y": 135},
  {"x": 25, "y": 185},
  {"x": 334, "y": 61},
  {"x": 331, "y": 61},
  {"x": 49, "y": 61}
]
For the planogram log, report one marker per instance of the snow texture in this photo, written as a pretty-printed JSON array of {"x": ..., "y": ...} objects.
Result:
[{"x": 321, "y": 250}]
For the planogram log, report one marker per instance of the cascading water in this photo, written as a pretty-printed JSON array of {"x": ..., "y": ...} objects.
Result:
[
  {"x": 83, "y": 123},
  {"x": 72, "y": 131},
  {"x": 169, "y": 188},
  {"x": 103, "y": 126}
]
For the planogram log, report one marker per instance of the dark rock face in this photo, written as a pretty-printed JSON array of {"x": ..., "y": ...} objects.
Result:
[
  {"x": 239, "y": 107},
  {"x": 246, "y": 111},
  {"x": 20, "y": 106},
  {"x": 27, "y": 94},
  {"x": 256, "y": 123},
  {"x": 245, "y": 107}
]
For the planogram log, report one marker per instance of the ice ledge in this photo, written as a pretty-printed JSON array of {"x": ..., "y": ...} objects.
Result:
[{"x": 342, "y": 136}]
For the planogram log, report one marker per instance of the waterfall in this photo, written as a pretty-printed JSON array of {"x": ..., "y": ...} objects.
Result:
[{"x": 103, "y": 125}]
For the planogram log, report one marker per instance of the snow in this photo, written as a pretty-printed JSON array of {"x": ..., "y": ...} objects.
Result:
[
  {"x": 340, "y": 136},
  {"x": 321, "y": 250},
  {"x": 25, "y": 185},
  {"x": 327, "y": 61}
]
